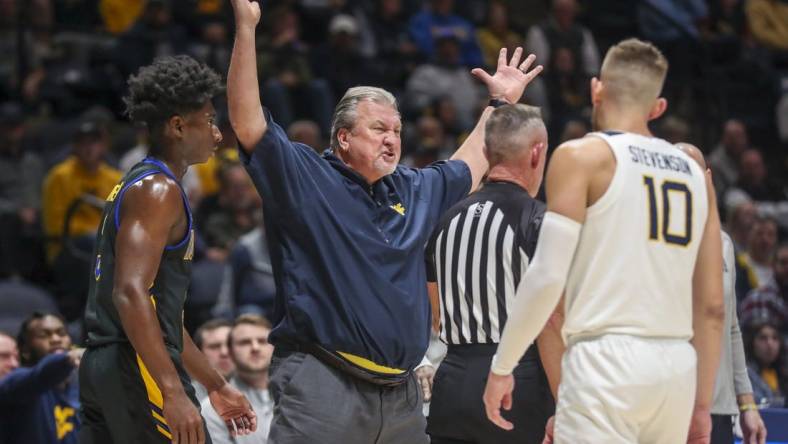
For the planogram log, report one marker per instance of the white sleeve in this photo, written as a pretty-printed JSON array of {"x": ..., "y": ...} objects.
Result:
[{"x": 539, "y": 290}]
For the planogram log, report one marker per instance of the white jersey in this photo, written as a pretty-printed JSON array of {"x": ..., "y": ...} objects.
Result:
[{"x": 632, "y": 270}]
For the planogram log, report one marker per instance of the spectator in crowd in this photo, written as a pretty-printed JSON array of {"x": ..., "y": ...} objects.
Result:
[
  {"x": 239, "y": 209},
  {"x": 753, "y": 181},
  {"x": 9, "y": 355},
  {"x": 496, "y": 33},
  {"x": 339, "y": 59},
  {"x": 306, "y": 132},
  {"x": 386, "y": 34},
  {"x": 248, "y": 284},
  {"x": 83, "y": 177},
  {"x": 431, "y": 143},
  {"x": 21, "y": 174},
  {"x": 732, "y": 388},
  {"x": 438, "y": 20},
  {"x": 213, "y": 47},
  {"x": 768, "y": 23},
  {"x": 39, "y": 401},
  {"x": 754, "y": 265},
  {"x": 289, "y": 82},
  {"x": 724, "y": 160},
  {"x": 740, "y": 220},
  {"x": 769, "y": 303},
  {"x": 674, "y": 129},
  {"x": 211, "y": 339},
  {"x": 153, "y": 35},
  {"x": 444, "y": 76},
  {"x": 251, "y": 354},
  {"x": 764, "y": 365},
  {"x": 120, "y": 15}
]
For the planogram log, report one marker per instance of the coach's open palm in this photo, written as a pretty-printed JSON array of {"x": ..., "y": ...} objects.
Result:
[
  {"x": 510, "y": 78},
  {"x": 234, "y": 409},
  {"x": 497, "y": 394}
]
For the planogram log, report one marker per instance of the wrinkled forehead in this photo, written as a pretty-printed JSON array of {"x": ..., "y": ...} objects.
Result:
[{"x": 369, "y": 112}]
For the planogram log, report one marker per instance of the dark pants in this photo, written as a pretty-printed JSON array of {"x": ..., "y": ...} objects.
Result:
[
  {"x": 119, "y": 405},
  {"x": 721, "y": 429},
  {"x": 457, "y": 412},
  {"x": 316, "y": 403}
]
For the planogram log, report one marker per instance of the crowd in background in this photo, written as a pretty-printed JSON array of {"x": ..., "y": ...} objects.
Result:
[{"x": 65, "y": 142}]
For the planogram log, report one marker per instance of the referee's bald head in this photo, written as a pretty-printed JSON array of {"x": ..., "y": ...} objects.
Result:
[{"x": 511, "y": 131}]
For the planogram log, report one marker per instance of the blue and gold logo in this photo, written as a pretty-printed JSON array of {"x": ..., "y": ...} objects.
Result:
[{"x": 398, "y": 208}]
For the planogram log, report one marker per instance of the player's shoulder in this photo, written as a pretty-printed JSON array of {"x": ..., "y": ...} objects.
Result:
[
  {"x": 587, "y": 151},
  {"x": 155, "y": 189},
  {"x": 694, "y": 152}
]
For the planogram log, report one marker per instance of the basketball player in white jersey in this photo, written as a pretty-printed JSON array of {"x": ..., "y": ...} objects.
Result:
[{"x": 631, "y": 236}]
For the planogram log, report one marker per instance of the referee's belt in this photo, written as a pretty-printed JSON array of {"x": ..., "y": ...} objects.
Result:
[{"x": 350, "y": 364}]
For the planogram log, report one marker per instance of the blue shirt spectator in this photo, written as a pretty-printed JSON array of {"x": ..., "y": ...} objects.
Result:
[{"x": 439, "y": 21}]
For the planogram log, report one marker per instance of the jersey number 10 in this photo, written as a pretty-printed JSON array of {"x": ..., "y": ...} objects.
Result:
[{"x": 667, "y": 187}]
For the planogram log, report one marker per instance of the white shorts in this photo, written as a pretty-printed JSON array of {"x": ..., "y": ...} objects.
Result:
[{"x": 624, "y": 389}]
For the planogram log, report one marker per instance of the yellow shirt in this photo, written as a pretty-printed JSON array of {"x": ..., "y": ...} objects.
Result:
[
  {"x": 768, "y": 22},
  {"x": 64, "y": 184},
  {"x": 206, "y": 172},
  {"x": 769, "y": 376},
  {"x": 119, "y": 15}
]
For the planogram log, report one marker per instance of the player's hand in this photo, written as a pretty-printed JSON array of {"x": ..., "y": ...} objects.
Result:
[
  {"x": 234, "y": 409},
  {"x": 497, "y": 394},
  {"x": 425, "y": 375},
  {"x": 752, "y": 427},
  {"x": 700, "y": 427},
  {"x": 183, "y": 419},
  {"x": 247, "y": 13},
  {"x": 510, "y": 78},
  {"x": 549, "y": 429}
]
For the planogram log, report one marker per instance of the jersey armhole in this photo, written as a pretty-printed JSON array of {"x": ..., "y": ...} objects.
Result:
[{"x": 612, "y": 191}]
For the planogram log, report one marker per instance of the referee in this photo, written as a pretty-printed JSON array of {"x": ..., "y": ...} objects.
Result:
[{"x": 477, "y": 255}]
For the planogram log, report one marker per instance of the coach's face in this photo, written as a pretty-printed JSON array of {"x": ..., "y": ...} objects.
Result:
[{"x": 372, "y": 147}]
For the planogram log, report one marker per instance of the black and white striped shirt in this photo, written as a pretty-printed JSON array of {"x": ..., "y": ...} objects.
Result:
[{"x": 477, "y": 255}]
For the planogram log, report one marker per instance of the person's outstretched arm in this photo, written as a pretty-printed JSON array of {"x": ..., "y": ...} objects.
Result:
[{"x": 243, "y": 92}]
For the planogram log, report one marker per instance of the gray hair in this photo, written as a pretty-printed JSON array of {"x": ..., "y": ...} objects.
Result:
[
  {"x": 505, "y": 131},
  {"x": 345, "y": 114}
]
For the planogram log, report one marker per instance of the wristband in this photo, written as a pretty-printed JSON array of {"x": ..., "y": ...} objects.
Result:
[
  {"x": 495, "y": 103},
  {"x": 746, "y": 407}
]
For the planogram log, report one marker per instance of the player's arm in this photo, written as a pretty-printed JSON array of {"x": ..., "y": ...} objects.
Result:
[
  {"x": 230, "y": 404},
  {"x": 508, "y": 84},
  {"x": 708, "y": 308},
  {"x": 243, "y": 93},
  {"x": 568, "y": 179},
  {"x": 150, "y": 211},
  {"x": 551, "y": 348}
]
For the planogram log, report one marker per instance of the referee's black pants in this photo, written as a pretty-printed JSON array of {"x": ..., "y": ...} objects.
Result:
[{"x": 457, "y": 413}]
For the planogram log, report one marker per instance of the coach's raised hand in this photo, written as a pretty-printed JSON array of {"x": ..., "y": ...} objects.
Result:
[
  {"x": 511, "y": 77},
  {"x": 247, "y": 13}
]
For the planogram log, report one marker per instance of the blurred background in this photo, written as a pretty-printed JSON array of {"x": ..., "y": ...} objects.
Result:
[{"x": 65, "y": 141}]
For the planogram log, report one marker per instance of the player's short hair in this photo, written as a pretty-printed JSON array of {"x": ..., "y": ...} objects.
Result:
[
  {"x": 210, "y": 325},
  {"x": 345, "y": 114},
  {"x": 633, "y": 72},
  {"x": 248, "y": 319},
  {"x": 507, "y": 128},
  {"x": 169, "y": 86}
]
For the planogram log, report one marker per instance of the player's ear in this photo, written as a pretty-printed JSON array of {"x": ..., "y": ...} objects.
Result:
[
  {"x": 659, "y": 108},
  {"x": 175, "y": 126},
  {"x": 596, "y": 90}
]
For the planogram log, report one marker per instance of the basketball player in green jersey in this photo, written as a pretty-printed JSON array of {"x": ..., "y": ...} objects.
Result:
[{"x": 134, "y": 377}]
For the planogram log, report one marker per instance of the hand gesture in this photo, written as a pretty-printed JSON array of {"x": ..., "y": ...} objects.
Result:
[
  {"x": 700, "y": 427},
  {"x": 183, "y": 419},
  {"x": 233, "y": 407},
  {"x": 75, "y": 356},
  {"x": 247, "y": 13},
  {"x": 752, "y": 427},
  {"x": 425, "y": 375},
  {"x": 497, "y": 394},
  {"x": 510, "y": 79}
]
